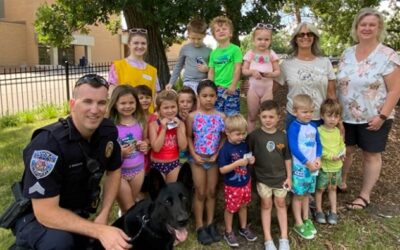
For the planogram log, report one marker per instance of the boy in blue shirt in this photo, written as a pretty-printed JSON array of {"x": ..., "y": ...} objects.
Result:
[
  {"x": 306, "y": 148},
  {"x": 233, "y": 161}
]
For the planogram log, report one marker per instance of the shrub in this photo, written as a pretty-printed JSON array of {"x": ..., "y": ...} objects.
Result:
[{"x": 9, "y": 121}]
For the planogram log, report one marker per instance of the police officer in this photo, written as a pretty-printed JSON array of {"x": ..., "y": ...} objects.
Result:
[{"x": 60, "y": 164}]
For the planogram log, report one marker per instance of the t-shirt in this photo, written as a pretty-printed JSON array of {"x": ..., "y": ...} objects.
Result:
[
  {"x": 307, "y": 77},
  {"x": 332, "y": 145},
  {"x": 260, "y": 63},
  {"x": 271, "y": 151},
  {"x": 223, "y": 61},
  {"x": 188, "y": 56},
  {"x": 228, "y": 154},
  {"x": 361, "y": 87}
]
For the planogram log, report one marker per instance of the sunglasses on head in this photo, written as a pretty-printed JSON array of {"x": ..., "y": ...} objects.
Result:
[
  {"x": 138, "y": 30},
  {"x": 92, "y": 78},
  {"x": 304, "y": 34},
  {"x": 267, "y": 26}
]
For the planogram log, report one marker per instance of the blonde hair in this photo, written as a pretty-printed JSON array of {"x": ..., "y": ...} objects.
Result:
[
  {"x": 368, "y": 12},
  {"x": 302, "y": 101},
  {"x": 166, "y": 95},
  {"x": 315, "y": 48},
  {"x": 331, "y": 107},
  {"x": 235, "y": 123},
  {"x": 220, "y": 20}
]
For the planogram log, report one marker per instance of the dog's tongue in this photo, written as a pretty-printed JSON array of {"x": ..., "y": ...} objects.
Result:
[{"x": 181, "y": 234}]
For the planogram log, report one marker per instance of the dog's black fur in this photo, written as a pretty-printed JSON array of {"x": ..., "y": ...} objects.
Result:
[{"x": 155, "y": 223}]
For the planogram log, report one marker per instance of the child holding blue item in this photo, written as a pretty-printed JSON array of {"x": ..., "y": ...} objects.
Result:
[
  {"x": 306, "y": 148},
  {"x": 204, "y": 131}
]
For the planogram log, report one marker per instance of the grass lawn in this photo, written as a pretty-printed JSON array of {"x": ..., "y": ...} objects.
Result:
[{"x": 377, "y": 227}]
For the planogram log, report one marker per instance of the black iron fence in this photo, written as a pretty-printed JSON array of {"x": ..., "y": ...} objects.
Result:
[{"x": 23, "y": 89}]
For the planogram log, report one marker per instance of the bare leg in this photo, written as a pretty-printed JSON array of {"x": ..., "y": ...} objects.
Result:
[
  {"x": 212, "y": 180},
  {"x": 332, "y": 198},
  {"x": 136, "y": 183},
  {"x": 228, "y": 221},
  {"x": 124, "y": 197},
  {"x": 199, "y": 180},
  {"x": 318, "y": 199},
  {"x": 297, "y": 205},
  {"x": 348, "y": 160},
  {"x": 173, "y": 175},
  {"x": 372, "y": 170},
  {"x": 305, "y": 207},
  {"x": 281, "y": 211},
  {"x": 253, "y": 103},
  {"x": 266, "y": 208},
  {"x": 243, "y": 216}
]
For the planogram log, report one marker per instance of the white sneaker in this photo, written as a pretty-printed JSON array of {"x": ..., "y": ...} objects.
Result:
[
  {"x": 269, "y": 245},
  {"x": 284, "y": 244}
]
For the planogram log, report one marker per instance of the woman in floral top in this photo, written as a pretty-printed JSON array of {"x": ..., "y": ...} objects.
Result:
[{"x": 368, "y": 89}]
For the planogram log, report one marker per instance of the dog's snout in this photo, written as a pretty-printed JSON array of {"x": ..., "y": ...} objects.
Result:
[{"x": 183, "y": 222}]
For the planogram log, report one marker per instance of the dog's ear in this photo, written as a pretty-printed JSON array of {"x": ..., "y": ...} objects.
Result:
[
  {"x": 185, "y": 176},
  {"x": 155, "y": 183}
]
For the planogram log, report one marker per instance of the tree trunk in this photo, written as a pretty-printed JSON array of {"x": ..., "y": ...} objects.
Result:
[{"x": 156, "y": 52}]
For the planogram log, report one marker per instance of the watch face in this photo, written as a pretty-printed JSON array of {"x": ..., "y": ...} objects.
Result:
[{"x": 383, "y": 117}]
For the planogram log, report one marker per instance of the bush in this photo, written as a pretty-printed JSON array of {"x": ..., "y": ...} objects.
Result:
[
  {"x": 9, "y": 121},
  {"x": 27, "y": 117}
]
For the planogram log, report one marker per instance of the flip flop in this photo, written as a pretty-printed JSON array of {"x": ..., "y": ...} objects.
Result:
[
  {"x": 341, "y": 190},
  {"x": 357, "y": 206}
]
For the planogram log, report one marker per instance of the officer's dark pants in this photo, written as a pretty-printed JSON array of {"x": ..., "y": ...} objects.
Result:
[{"x": 31, "y": 234}]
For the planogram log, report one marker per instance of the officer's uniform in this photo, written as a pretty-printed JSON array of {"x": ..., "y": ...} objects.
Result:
[{"x": 55, "y": 164}]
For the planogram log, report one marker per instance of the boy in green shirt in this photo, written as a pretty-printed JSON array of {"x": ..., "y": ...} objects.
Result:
[{"x": 225, "y": 66}]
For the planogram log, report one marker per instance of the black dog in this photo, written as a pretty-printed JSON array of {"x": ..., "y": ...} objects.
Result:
[{"x": 156, "y": 223}]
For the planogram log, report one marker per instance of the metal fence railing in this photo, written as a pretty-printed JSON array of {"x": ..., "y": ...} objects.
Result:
[{"x": 23, "y": 89}]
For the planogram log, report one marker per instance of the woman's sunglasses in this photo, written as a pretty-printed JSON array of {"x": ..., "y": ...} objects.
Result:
[
  {"x": 267, "y": 26},
  {"x": 92, "y": 78},
  {"x": 304, "y": 34},
  {"x": 138, "y": 30}
]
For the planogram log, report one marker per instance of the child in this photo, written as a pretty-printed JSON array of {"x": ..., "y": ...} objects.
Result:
[
  {"x": 167, "y": 136},
  {"x": 125, "y": 110},
  {"x": 305, "y": 145},
  {"x": 193, "y": 57},
  {"x": 186, "y": 104},
  {"x": 205, "y": 127},
  {"x": 225, "y": 63},
  {"x": 333, "y": 152},
  {"x": 133, "y": 70},
  {"x": 261, "y": 64},
  {"x": 273, "y": 171},
  {"x": 233, "y": 159},
  {"x": 145, "y": 97}
]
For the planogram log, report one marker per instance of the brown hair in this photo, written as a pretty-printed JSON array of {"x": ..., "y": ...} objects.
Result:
[
  {"x": 269, "y": 105},
  {"x": 331, "y": 107},
  {"x": 220, "y": 20},
  {"x": 190, "y": 91},
  {"x": 197, "y": 26}
]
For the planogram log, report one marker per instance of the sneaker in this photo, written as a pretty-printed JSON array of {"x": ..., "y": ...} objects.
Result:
[
  {"x": 248, "y": 234},
  {"x": 212, "y": 231},
  {"x": 230, "y": 238},
  {"x": 303, "y": 231},
  {"x": 284, "y": 244},
  {"x": 203, "y": 237},
  {"x": 310, "y": 226},
  {"x": 332, "y": 218},
  {"x": 269, "y": 245},
  {"x": 320, "y": 217}
]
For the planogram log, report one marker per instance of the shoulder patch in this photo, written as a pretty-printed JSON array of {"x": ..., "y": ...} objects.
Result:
[
  {"x": 42, "y": 163},
  {"x": 109, "y": 149}
]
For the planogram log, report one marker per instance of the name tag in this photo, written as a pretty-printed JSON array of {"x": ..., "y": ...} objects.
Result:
[{"x": 147, "y": 77}]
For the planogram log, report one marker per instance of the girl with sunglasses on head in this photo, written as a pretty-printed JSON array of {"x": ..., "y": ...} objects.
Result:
[
  {"x": 307, "y": 71},
  {"x": 133, "y": 70},
  {"x": 261, "y": 64}
]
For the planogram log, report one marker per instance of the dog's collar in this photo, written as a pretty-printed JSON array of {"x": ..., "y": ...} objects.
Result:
[{"x": 144, "y": 220}]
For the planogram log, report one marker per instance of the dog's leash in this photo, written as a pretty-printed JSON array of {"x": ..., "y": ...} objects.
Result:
[{"x": 144, "y": 221}]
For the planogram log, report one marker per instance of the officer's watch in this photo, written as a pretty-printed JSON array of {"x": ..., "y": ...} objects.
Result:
[{"x": 382, "y": 117}]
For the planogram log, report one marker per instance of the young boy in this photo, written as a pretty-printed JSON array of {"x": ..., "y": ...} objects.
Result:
[
  {"x": 193, "y": 57},
  {"x": 233, "y": 159},
  {"x": 272, "y": 170},
  {"x": 333, "y": 151},
  {"x": 305, "y": 145},
  {"x": 225, "y": 66}
]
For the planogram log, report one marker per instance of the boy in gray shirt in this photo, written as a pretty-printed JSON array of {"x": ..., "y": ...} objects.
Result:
[{"x": 193, "y": 57}]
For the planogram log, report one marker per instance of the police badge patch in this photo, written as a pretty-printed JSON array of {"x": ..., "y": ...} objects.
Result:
[{"x": 42, "y": 163}]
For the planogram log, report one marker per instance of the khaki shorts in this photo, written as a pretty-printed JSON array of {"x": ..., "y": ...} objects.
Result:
[{"x": 266, "y": 192}]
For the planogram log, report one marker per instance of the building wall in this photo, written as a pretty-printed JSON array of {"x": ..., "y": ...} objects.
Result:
[{"x": 12, "y": 49}]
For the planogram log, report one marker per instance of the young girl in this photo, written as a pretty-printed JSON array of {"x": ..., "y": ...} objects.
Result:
[
  {"x": 167, "y": 136},
  {"x": 186, "y": 102},
  {"x": 261, "y": 64},
  {"x": 133, "y": 70},
  {"x": 125, "y": 110},
  {"x": 205, "y": 127}
]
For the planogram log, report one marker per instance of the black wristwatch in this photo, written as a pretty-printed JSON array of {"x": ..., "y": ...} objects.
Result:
[{"x": 382, "y": 117}]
